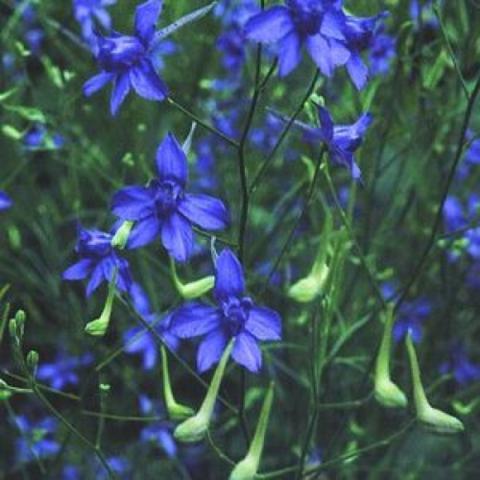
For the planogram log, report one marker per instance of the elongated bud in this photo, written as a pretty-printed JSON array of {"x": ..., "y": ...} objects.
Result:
[
  {"x": 310, "y": 287},
  {"x": 386, "y": 392},
  {"x": 120, "y": 238},
  {"x": 16, "y": 327},
  {"x": 98, "y": 327},
  {"x": 195, "y": 428},
  {"x": 192, "y": 290},
  {"x": 32, "y": 362},
  {"x": 175, "y": 410},
  {"x": 430, "y": 417},
  {"x": 5, "y": 392},
  {"x": 247, "y": 468}
]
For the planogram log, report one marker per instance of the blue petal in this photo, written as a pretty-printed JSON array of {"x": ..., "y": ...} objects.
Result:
[
  {"x": 172, "y": 161},
  {"x": 205, "y": 211},
  {"x": 319, "y": 50},
  {"x": 5, "y": 201},
  {"x": 133, "y": 203},
  {"x": 97, "y": 82},
  {"x": 358, "y": 71},
  {"x": 210, "y": 350},
  {"x": 96, "y": 279},
  {"x": 177, "y": 237},
  {"x": 79, "y": 270},
  {"x": 290, "y": 54},
  {"x": 121, "y": 87},
  {"x": 326, "y": 123},
  {"x": 264, "y": 324},
  {"x": 229, "y": 279},
  {"x": 147, "y": 83},
  {"x": 194, "y": 319},
  {"x": 144, "y": 232},
  {"x": 270, "y": 25},
  {"x": 247, "y": 353},
  {"x": 140, "y": 299},
  {"x": 332, "y": 25},
  {"x": 146, "y": 16}
]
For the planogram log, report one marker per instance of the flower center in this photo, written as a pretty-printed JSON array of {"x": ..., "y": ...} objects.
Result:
[
  {"x": 119, "y": 53},
  {"x": 235, "y": 312},
  {"x": 306, "y": 15},
  {"x": 167, "y": 195},
  {"x": 94, "y": 244}
]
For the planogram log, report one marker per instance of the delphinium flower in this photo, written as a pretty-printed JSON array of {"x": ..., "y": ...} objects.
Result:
[
  {"x": 38, "y": 137},
  {"x": 119, "y": 465},
  {"x": 98, "y": 260},
  {"x": 382, "y": 52},
  {"x": 164, "y": 209},
  {"x": 232, "y": 42},
  {"x": 158, "y": 432},
  {"x": 145, "y": 345},
  {"x": 63, "y": 370},
  {"x": 36, "y": 440},
  {"x": 89, "y": 13},
  {"x": 471, "y": 158},
  {"x": 453, "y": 214},
  {"x": 126, "y": 60},
  {"x": 342, "y": 141},
  {"x": 331, "y": 38},
  {"x": 463, "y": 369},
  {"x": 266, "y": 135},
  {"x": 33, "y": 34},
  {"x": 234, "y": 316},
  {"x": 5, "y": 201}
]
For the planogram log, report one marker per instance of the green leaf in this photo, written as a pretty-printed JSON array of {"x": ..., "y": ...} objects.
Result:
[{"x": 28, "y": 113}]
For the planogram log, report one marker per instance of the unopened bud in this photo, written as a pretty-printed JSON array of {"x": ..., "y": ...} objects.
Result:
[
  {"x": 32, "y": 362},
  {"x": 98, "y": 327},
  {"x": 120, "y": 238},
  {"x": 194, "y": 289}
]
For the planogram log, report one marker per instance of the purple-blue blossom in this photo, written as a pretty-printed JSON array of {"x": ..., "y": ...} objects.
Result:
[
  {"x": 62, "y": 371},
  {"x": 331, "y": 38},
  {"x": 164, "y": 209},
  {"x": 125, "y": 60},
  {"x": 459, "y": 364},
  {"x": 89, "y": 14},
  {"x": 98, "y": 261},
  {"x": 5, "y": 201},
  {"x": 235, "y": 315},
  {"x": 382, "y": 52},
  {"x": 341, "y": 141}
]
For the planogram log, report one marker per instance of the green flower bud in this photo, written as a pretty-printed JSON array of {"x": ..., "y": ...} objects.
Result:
[
  {"x": 430, "y": 417},
  {"x": 192, "y": 290},
  {"x": 309, "y": 287},
  {"x": 120, "y": 238},
  {"x": 5, "y": 392},
  {"x": 175, "y": 410},
  {"x": 32, "y": 362},
  {"x": 98, "y": 327},
  {"x": 247, "y": 468},
  {"x": 387, "y": 392},
  {"x": 195, "y": 428}
]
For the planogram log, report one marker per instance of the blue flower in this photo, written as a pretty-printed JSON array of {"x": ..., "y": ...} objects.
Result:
[
  {"x": 5, "y": 201},
  {"x": 159, "y": 432},
  {"x": 341, "y": 140},
  {"x": 99, "y": 261},
  {"x": 88, "y": 12},
  {"x": 145, "y": 344},
  {"x": 410, "y": 319},
  {"x": 382, "y": 52},
  {"x": 235, "y": 316},
  {"x": 332, "y": 38},
  {"x": 61, "y": 372},
  {"x": 126, "y": 60},
  {"x": 37, "y": 440},
  {"x": 453, "y": 214},
  {"x": 164, "y": 209},
  {"x": 463, "y": 369},
  {"x": 37, "y": 137},
  {"x": 119, "y": 465}
]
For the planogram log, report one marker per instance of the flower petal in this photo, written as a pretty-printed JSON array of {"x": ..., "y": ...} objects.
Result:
[
  {"x": 147, "y": 83},
  {"x": 79, "y": 270},
  {"x": 97, "y": 82},
  {"x": 358, "y": 71},
  {"x": 290, "y": 54},
  {"x": 146, "y": 16},
  {"x": 326, "y": 123},
  {"x": 5, "y": 201},
  {"x": 177, "y": 237},
  {"x": 121, "y": 87},
  {"x": 205, "y": 211},
  {"x": 264, "y": 324},
  {"x": 144, "y": 232},
  {"x": 210, "y": 350},
  {"x": 96, "y": 279},
  {"x": 229, "y": 279},
  {"x": 270, "y": 25},
  {"x": 247, "y": 353},
  {"x": 132, "y": 203},
  {"x": 194, "y": 319},
  {"x": 172, "y": 161}
]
